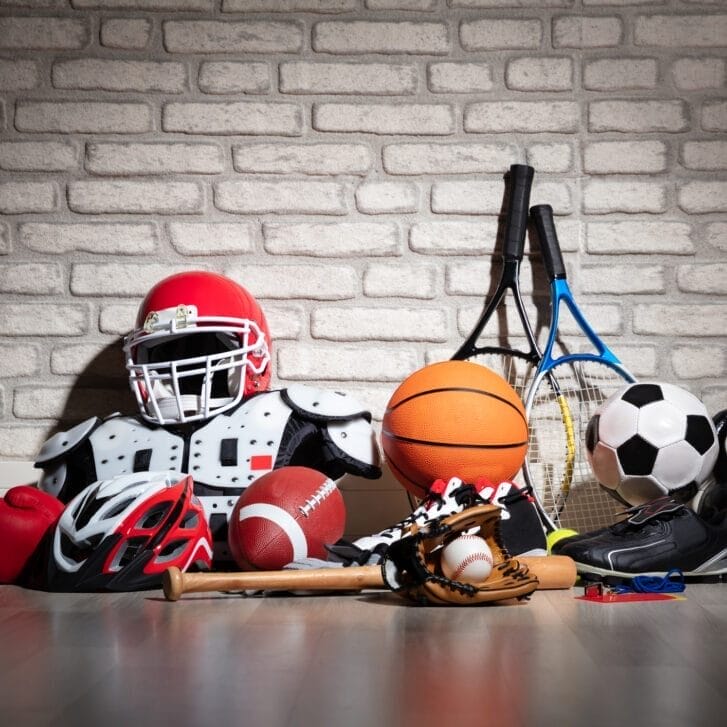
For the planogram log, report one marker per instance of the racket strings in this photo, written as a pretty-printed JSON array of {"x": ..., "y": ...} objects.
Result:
[
  {"x": 517, "y": 368},
  {"x": 557, "y": 464}
]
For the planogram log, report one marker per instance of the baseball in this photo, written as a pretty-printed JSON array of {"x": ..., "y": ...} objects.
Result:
[{"x": 467, "y": 559}]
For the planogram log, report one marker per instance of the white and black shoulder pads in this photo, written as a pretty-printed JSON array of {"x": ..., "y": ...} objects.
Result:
[{"x": 323, "y": 405}]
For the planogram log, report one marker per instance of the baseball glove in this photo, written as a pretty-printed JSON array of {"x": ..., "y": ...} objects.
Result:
[{"x": 412, "y": 567}]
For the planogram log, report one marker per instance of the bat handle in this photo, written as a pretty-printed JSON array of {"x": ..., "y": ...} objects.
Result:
[{"x": 173, "y": 583}]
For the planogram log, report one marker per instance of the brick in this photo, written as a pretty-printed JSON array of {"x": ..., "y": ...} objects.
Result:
[
  {"x": 456, "y": 238},
  {"x": 240, "y": 117},
  {"x": 22, "y": 442},
  {"x": 344, "y": 239},
  {"x": 496, "y": 34},
  {"x": 43, "y": 33},
  {"x": 716, "y": 235},
  {"x": 126, "y": 33},
  {"x": 604, "y": 196},
  {"x": 680, "y": 30},
  {"x": 702, "y": 197},
  {"x": 400, "y": 281},
  {"x": 285, "y": 322},
  {"x": 117, "y": 279},
  {"x": 38, "y": 319},
  {"x": 510, "y": 3},
  {"x": 625, "y": 157},
  {"x": 38, "y": 156},
  {"x": 550, "y": 157},
  {"x": 130, "y": 159},
  {"x": 454, "y": 158},
  {"x": 294, "y": 197},
  {"x": 310, "y": 282},
  {"x": 376, "y": 198},
  {"x": 469, "y": 197},
  {"x": 697, "y": 362},
  {"x": 280, "y": 6},
  {"x": 539, "y": 74},
  {"x": 46, "y": 402},
  {"x": 97, "y": 237},
  {"x": 231, "y": 36},
  {"x": 92, "y": 74},
  {"x": 454, "y": 77},
  {"x": 336, "y": 323},
  {"x": 117, "y": 320},
  {"x": 522, "y": 116},
  {"x": 640, "y": 237},
  {"x": 122, "y": 196},
  {"x": 212, "y": 238},
  {"x": 694, "y": 321},
  {"x": 98, "y": 359},
  {"x": 638, "y": 116},
  {"x": 5, "y": 245},
  {"x": 401, "y": 4},
  {"x": 18, "y": 75},
  {"x": 714, "y": 116},
  {"x": 361, "y": 36},
  {"x": 31, "y": 278},
  {"x": 587, "y": 32},
  {"x": 611, "y": 74},
  {"x": 382, "y": 79},
  {"x": 83, "y": 117},
  {"x": 233, "y": 77},
  {"x": 19, "y": 359},
  {"x": 714, "y": 397},
  {"x": 19, "y": 197},
  {"x": 146, "y": 5},
  {"x": 558, "y": 194},
  {"x": 345, "y": 363},
  {"x": 384, "y": 118},
  {"x": 692, "y": 74},
  {"x": 707, "y": 155},
  {"x": 355, "y": 159},
  {"x": 622, "y": 279},
  {"x": 704, "y": 279}
]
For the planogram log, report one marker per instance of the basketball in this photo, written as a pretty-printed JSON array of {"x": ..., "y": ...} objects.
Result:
[{"x": 453, "y": 419}]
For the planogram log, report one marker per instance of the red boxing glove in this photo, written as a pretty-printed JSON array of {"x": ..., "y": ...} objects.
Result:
[{"x": 26, "y": 516}]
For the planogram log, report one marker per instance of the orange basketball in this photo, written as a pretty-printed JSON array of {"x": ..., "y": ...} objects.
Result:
[{"x": 454, "y": 419}]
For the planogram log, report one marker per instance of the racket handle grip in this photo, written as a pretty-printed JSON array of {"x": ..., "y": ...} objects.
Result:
[
  {"x": 516, "y": 222},
  {"x": 542, "y": 215}
]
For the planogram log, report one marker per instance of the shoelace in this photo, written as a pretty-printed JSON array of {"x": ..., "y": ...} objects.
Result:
[{"x": 672, "y": 582}]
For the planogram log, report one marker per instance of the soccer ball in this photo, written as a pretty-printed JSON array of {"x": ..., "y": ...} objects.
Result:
[{"x": 651, "y": 439}]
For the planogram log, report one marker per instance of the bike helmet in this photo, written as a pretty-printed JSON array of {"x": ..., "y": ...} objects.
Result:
[
  {"x": 121, "y": 534},
  {"x": 200, "y": 345}
]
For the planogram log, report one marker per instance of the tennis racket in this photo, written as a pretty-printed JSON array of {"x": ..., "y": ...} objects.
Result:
[
  {"x": 561, "y": 400},
  {"x": 515, "y": 365}
]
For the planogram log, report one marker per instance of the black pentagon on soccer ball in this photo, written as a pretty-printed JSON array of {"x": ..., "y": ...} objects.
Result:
[
  {"x": 642, "y": 394},
  {"x": 592, "y": 433},
  {"x": 699, "y": 433},
  {"x": 637, "y": 456}
]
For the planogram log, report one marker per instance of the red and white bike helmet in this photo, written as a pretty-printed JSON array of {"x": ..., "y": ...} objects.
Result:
[
  {"x": 199, "y": 346},
  {"x": 122, "y": 534}
]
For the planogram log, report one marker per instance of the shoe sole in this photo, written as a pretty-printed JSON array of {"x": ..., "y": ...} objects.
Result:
[{"x": 715, "y": 567}]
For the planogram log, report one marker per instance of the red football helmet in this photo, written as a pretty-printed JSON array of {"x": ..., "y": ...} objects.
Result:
[{"x": 200, "y": 345}]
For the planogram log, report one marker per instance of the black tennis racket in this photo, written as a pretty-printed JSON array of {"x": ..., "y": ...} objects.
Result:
[
  {"x": 515, "y": 364},
  {"x": 561, "y": 400}
]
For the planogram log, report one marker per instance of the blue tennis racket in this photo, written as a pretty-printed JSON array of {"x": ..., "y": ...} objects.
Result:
[{"x": 564, "y": 394}]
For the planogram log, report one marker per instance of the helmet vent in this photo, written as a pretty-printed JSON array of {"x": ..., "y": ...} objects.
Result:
[{"x": 152, "y": 518}]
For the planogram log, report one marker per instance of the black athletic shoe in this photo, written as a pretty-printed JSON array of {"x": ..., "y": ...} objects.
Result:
[{"x": 656, "y": 537}]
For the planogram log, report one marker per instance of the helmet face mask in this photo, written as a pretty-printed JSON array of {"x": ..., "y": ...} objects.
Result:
[{"x": 186, "y": 361}]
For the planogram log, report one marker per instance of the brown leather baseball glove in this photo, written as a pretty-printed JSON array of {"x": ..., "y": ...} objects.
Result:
[{"x": 412, "y": 567}]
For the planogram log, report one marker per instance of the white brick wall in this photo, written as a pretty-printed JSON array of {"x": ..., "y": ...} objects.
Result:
[{"x": 344, "y": 160}]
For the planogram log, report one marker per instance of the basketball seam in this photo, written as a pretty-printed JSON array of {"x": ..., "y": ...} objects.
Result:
[
  {"x": 461, "y": 389},
  {"x": 411, "y": 440}
]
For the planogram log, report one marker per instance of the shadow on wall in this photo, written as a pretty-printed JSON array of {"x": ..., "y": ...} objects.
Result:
[{"x": 101, "y": 389}]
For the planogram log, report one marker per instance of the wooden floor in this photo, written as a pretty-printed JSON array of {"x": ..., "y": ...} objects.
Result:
[{"x": 360, "y": 659}]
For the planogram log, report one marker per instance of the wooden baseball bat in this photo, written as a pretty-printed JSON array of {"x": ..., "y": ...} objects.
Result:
[{"x": 552, "y": 571}]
